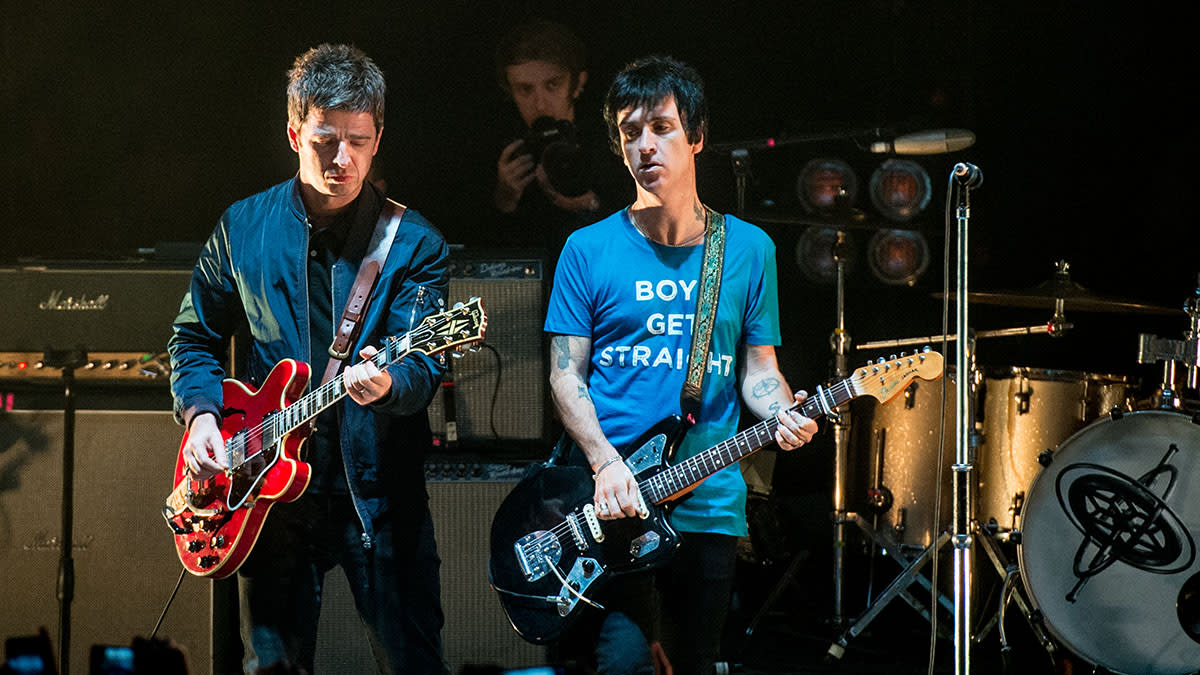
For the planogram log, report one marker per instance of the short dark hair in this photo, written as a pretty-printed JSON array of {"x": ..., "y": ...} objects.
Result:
[
  {"x": 335, "y": 77},
  {"x": 540, "y": 41},
  {"x": 645, "y": 83}
]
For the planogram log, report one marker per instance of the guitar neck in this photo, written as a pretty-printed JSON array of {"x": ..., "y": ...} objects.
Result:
[
  {"x": 679, "y": 477},
  {"x": 307, "y": 407}
]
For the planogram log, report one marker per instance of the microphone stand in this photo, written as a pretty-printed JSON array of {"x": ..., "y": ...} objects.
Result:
[
  {"x": 962, "y": 469},
  {"x": 68, "y": 361},
  {"x": 740, "y": 158}
]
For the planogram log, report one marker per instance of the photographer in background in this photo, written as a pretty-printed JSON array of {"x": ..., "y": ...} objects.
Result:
[{"x": 552, "y": 179}]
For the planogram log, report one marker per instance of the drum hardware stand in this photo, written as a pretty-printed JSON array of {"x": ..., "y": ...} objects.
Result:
[
  {"x": 1174, "y": 354},
  {"x": 899, "y": 588},
  {"x": 789, "y": 577},
  {"x": 989, "y": 537},
  {"x": 1051, "y": 329}
]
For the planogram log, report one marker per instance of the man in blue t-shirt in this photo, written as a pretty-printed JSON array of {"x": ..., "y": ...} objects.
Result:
[{"x": 621, "y": 317}]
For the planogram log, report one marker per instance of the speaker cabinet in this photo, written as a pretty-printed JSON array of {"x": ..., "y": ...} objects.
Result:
[
  {"x": 476, "y": 631},
  {"x": 125, "y": 562},
  {"x": 500, "y": 391}
]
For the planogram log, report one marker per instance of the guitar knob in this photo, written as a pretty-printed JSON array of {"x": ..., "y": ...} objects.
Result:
[
  {"x": 588, "y": 568},
  {"x": 218, "y": 541},
  {"x": 195, "y": 546},
  {"x": 208, "y": 561}
]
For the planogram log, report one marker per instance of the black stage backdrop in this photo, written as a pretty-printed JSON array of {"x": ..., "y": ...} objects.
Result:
[{"x": 129, "y": 126}]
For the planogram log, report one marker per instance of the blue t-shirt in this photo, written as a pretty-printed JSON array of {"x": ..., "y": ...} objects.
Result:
[{"x": 636, "y": 301}]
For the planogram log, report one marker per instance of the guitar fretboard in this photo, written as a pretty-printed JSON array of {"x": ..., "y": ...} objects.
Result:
[{"x": 696, "y": 468}]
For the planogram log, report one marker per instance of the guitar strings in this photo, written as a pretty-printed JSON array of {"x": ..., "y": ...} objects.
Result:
[
  {"x": 656, "y": 483},
  {"x": 334, "y": 387}
]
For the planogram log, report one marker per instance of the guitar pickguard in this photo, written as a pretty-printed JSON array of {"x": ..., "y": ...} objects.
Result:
[{"x": 650, "y": 455}]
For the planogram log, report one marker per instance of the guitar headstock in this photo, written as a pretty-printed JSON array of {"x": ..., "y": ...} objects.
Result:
[
  {"x": 462, "y": 326},
  {"x": 885, "y": 379}
]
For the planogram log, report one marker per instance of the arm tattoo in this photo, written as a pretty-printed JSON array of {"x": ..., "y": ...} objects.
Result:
[
  {"x": 765, "y": 387},
  {"x": 583, "y": 393},
  {"x": 561, "y": 348},
  {"x": 775, "y": 407}
]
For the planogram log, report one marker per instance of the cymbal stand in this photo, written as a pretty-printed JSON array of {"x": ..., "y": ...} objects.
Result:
[
  {"x": 899, "y": 587},
  {"x": 839, "y": 342},
  {"x": 912, "y": 562}
]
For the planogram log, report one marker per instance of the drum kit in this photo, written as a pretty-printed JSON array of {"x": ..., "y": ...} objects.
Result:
[{"x": 1084, "y": 500}]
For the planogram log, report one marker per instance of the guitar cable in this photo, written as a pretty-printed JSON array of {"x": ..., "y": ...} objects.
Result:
[
  {"x": 495, "y": 390},
  {"x": 562, "y": 580},
  {"x": 168, "y": 605}
]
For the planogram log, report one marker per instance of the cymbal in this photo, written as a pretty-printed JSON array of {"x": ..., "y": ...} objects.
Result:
[{"x": 1073, "y": 296}]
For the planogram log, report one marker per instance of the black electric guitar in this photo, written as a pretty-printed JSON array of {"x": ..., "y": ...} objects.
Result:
[{"x": 549, "y": 552}]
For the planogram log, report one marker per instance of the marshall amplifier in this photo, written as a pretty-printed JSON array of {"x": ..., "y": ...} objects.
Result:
[{"x": 125, "y": 309}]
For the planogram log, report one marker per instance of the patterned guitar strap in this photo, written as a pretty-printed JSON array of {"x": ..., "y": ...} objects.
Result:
[{"x": 706, "y": 313}]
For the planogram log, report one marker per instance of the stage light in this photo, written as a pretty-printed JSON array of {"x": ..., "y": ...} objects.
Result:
[
  {"x": 815, "y": 254},
  {"x": 900, "y": 189},
  {"x": 826, "y": 185},
  {"x": 898, "y": 257}
]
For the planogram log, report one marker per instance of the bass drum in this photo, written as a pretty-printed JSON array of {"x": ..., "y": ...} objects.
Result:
[{"x": 1108, "y": 546}]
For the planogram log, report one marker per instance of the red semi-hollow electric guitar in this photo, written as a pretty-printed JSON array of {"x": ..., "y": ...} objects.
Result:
[{"x": 216, "y": 521}]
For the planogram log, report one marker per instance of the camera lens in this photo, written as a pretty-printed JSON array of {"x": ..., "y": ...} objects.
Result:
[{"x": 552, "y": 143}]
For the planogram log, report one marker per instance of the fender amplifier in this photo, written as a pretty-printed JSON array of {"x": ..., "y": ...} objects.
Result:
[{"x": 500, "y": 392}]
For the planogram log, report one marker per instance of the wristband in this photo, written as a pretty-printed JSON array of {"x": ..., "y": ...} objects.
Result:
[{"x": 604, "y": 466}]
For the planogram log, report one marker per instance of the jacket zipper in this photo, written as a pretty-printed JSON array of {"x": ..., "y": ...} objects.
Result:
[{"x": 367, "y": 542}]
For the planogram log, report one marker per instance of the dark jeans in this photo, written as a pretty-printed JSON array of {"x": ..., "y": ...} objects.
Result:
[
  {"x": 684, "y": 604},
  {"x": 395, "y": 585}
]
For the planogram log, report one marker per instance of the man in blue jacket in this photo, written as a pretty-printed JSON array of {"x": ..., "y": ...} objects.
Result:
[{"x": 282, "y": 263}]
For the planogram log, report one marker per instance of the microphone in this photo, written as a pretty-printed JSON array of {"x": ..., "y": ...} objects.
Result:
[
  {"x": 933, "y": 142},
  {"x": 969, "y": 175}
]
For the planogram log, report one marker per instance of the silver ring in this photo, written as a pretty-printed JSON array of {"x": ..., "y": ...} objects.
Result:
[{"x": 604, "y": 506}]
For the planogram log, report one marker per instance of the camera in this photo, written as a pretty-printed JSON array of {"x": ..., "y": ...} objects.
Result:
[{"x": 553, "y": 145}]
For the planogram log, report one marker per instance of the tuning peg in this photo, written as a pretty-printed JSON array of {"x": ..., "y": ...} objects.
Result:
[
  {"x": 474, "y": 347},
  {"x": 457, "y": 353}
]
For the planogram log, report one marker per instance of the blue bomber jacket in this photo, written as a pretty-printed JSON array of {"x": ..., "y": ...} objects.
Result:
[{"x": 252, "y": 272}]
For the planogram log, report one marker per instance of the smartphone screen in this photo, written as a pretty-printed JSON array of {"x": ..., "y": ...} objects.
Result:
[{"x": 111, "y": 660}]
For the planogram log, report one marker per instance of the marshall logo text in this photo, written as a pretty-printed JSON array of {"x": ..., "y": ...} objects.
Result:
[{"x": 72, "y": 304}]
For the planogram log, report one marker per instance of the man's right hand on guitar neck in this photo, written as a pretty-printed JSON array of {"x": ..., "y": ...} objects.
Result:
[{"x": 203, "y": 453}]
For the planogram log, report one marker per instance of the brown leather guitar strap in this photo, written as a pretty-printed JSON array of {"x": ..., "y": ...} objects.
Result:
[
  {"x": 360, "y": 294},
  {"x": 706, "y": 313}
]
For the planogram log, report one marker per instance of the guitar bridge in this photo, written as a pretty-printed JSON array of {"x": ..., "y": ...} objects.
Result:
[{"x": 536, "y": 553}]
